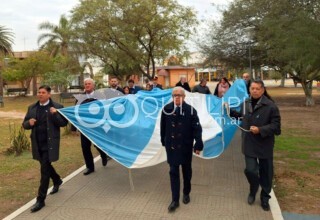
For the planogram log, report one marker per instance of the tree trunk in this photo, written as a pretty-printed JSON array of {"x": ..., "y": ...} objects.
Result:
[
  {"x": 283, "y": 79},
  {"x": 81, "y": 78},
  {"x": 34, "y": 86},
  {"x": 1, "y": 84},
  {"x": 307, "y": 88}
]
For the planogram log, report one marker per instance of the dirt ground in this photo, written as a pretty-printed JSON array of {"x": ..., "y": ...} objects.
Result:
[
  {"x": 298, "y": 191},
  {"x": 12, "y": 114}
]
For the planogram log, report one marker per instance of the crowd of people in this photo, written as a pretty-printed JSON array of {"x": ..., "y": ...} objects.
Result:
[{"x": 180, "y": 134}]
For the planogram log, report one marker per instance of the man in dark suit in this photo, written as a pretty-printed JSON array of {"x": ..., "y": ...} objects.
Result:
[
  {"x": 246, "y": 78},
  {"x": 155, "y": 83},
  {"x": 89, "y": 87},
  {"x": 261, "y": 121},
  {"x": 179, "y": 128},
  {"x": 132, "y": 87},
  {"x": 184, "y": 84},
  {"x": 202, "y": 87},
  {"x": 45, "y": 122},
  {"x": 114, "y": 84}
]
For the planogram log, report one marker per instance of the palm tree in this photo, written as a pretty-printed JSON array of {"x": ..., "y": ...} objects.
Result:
[
  {"x": 58, "y": 39},
  {"x": 6, "y": 40}
]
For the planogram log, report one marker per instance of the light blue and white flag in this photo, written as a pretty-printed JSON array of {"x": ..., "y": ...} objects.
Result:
[{"x": 127, "y": 128}]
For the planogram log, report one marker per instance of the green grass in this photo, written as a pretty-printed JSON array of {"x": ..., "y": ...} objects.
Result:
[
  {"x": 20, "y": 175},
  {"x": 21, "y": 103},
  {"x": 298, "y": 149}
]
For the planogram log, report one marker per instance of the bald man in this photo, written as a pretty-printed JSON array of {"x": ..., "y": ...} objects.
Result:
[{"x": 246, "y": 78}]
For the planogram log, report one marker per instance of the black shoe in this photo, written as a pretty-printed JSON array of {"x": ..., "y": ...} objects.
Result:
[
  {"x": 104, "y": 161},
  {"x": 265, "y": 206},
  {"x": 88, "y": 171},
  {"x": 55, "y": 188},
  {"x": 37, "y": 206},
  {"x": 186, "y": 199},
  {"x": 251, "y": 198},
  {"x": 172, "y": 207}
]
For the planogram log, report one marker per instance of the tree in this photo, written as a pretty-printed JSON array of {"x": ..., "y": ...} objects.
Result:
[
  {"x": 59, "y": 42},
  {"x": 58, "y": 37},
  {"x": 6, "y": 40},
  {"x": 132, "y": 34},
  {"x": 293, "y": 39},
  {"x": 283, "y": 35},
  {"x": 36, "y": 65},
  {"x": 60, "y": 77}
]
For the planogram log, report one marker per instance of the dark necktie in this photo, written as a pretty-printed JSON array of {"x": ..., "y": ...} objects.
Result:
[{"x": 178, "y": 109}]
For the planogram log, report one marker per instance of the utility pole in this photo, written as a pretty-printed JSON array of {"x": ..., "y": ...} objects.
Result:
[
  {"x": 24, "y": 43},
  {"x": 250, "y": 60}
]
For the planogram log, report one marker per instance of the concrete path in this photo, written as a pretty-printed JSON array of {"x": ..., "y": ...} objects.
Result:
[{"x": 219, "y": 191}]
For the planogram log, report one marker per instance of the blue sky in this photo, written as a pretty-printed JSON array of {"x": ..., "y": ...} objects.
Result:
[{"x": 24, "y": 16}]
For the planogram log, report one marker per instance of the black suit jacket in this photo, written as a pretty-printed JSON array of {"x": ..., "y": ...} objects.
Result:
[
  {"x": 184, "y": 85},
  {"x": 178, "y": 132},
  {"x": 54, "y": 122},
  {"x": 157, "y": 86},
  {"x": 266, "y": 116}
]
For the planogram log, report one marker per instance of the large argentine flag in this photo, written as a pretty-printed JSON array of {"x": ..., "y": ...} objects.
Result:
[{"x": 127, "y": 128}]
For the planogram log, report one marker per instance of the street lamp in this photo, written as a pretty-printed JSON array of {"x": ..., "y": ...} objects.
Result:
[
  {"x": 250, "y": 59},
  {"x": 249, "y": 34}
]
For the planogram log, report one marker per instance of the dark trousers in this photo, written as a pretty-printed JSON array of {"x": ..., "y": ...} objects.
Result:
[
  {"x": 87, "y": 154},
  {"x": 47, "y": 171},
  {"x": 175, "y": 180},
  {"x": 259, "y": 172}
]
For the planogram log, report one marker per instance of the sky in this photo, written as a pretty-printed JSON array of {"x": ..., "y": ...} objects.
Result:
[{"x": 23, "y": 17}]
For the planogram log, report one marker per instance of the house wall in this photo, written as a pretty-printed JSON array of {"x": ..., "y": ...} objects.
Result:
[{"x": 174, "y": 77}]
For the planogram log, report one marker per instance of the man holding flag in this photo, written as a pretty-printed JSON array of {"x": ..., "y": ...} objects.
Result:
[{"x": 179, "y": 128}]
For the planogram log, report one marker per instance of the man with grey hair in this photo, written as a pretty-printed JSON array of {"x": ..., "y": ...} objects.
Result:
[
  {"x": 89, "y": 87},
  {"x": 202, "y": 87},
  {"x": 179, "y": 127},
  {"x": 183, "y": 83}
]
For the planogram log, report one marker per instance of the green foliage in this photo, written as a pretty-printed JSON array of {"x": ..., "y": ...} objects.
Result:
[
  {"x": 281, "y": 34},
  {"x": 275, "y": 75},
  {"x": 130, "y": 36},
  {"x": 19, "y": 141},
  {"x": 61, "y": 79},
  {"x": 6, "y": 40},
  {"x": 37, "y": 64},
  {"x": 59, "y": 42},
  {"x": 58, "y": 38}
]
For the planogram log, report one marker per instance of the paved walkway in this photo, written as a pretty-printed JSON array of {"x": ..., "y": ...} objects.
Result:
[{"x": 219, "y": 191}]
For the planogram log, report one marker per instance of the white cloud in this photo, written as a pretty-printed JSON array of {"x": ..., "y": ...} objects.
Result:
[{"x": 24, "y": 16}]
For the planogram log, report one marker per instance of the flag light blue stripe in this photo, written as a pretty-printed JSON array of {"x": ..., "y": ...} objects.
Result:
[{"x": 122, "y": 127}]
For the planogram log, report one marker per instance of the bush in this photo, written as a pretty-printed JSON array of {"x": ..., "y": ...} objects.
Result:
[
  {"x": 19, "y": 141},
  {"x": 275, "y": 75},
  {"x": 67, "y": 129}
]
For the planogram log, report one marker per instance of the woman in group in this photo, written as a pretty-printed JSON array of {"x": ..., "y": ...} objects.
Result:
[
  {"x": 222, "y": 87},
  {"x": 148, "y": 87},
  {"x": 126, "y": 90}
]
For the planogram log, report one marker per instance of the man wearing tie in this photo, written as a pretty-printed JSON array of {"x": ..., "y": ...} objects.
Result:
[{"x": 179, "y": 128}]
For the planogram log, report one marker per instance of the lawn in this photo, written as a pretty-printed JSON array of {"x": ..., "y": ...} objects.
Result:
[
  {"x": 20, "y": 175},
  {"x": 297, "y": 152}
]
